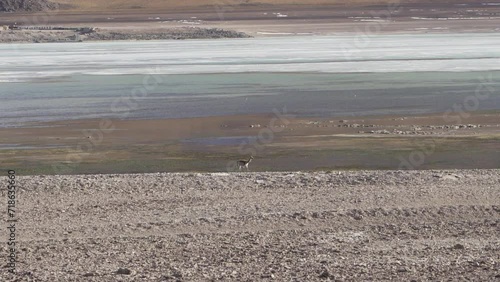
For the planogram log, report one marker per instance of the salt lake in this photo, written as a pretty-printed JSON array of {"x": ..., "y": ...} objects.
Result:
[{"x": 344, "y": 75}]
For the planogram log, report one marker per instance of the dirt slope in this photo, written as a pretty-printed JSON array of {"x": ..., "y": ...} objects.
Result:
[
  {"x": 26, "y": 5},
  {"x": 172, "y": 4}
]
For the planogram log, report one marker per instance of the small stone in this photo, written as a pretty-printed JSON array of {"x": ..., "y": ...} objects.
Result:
[
  {"x": 324, "y": 274},
  {"x": 459, "y": 247},
  {"x": 123, "y": 271},
  {"x": 357, "y": 217},
  {"x": 177, "y": 274},
  {"x": 89, "y": 274},
  {"x": 450, "y": 177}
]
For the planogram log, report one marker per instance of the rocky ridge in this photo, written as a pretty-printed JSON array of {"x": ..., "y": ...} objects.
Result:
[{"x": 26, "y": 5}]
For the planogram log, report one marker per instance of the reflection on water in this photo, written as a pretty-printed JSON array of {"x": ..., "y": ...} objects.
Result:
[{"x": 25, "y": 147}]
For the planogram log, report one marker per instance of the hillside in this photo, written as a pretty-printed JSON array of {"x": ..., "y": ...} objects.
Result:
[
  {"x": 172, "y": 4},
  {"x": 169, "y": 4},
  {"x": 25, "y": 5},
  {"x": 113, "y": 5}
]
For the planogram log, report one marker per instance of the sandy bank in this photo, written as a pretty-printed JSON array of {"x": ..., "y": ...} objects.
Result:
[{"x": 210, "y": 143}]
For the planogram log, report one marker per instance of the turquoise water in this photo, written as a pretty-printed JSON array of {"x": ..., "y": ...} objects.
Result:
[
  {"x": 303, "y": 94},
  {"x": 310, "y": 76}
]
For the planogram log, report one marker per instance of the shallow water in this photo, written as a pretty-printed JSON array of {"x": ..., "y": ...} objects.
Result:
[
  {"x": 310, "y": 76},
  {"x": 221, "y": 141}
]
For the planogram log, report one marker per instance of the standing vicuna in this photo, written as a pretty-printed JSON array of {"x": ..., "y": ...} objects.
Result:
[{"x": 243, "y": 163}]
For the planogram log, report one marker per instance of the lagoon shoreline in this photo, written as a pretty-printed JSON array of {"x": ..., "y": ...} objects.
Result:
[{"x": 279, "y": 143}]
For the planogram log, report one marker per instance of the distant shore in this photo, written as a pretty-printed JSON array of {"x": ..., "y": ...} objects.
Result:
[
  {"x": 259, "y": 20},
  {"x": 50, "y": 36}
]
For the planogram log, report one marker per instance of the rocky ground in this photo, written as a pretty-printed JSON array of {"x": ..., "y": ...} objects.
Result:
[
  {"x": 401, "y": 129},
  {"x": 41, "y": 36},
  {"x": 26, "y": 5},
  {"x": 271, "y": 17},
  {"x": 289, "y": 226}
]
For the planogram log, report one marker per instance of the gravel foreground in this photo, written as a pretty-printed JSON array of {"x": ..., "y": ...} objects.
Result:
[{"x": 292, "y": 226}]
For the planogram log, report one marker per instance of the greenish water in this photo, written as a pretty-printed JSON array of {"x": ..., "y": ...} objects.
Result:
[
  {"x": 310, "y": 76},
  {"x": 199, "y": 95}
]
